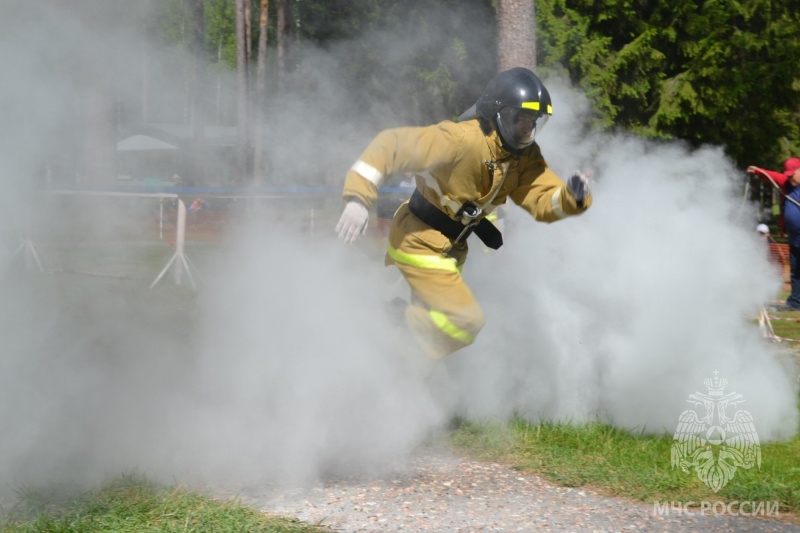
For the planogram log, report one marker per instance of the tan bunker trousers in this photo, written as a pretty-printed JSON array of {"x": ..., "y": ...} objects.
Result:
[{"x": 443, "y": 315}]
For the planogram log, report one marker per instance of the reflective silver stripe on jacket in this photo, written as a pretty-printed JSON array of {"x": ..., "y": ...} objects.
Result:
[
  {"x": 368, "y": 172},
  {"x": 556, "y": 204}
]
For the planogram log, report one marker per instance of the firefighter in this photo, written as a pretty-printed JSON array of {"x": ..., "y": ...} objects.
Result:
[{"x": 463, "y": 171}]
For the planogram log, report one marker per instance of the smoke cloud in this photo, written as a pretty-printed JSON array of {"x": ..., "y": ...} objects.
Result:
[
  {"x": 284, "y": 365},
  {"x": 619, "y": 314}
]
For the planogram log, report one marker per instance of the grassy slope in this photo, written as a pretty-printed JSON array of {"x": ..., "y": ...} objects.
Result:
[
  {"x": 133, "y": 505},
  {"x": 622, "y": 464},
  {"x": 635, "y": 466},
  {"x": 618, "y": 463}
]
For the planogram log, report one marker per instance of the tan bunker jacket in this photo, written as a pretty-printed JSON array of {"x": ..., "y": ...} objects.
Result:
[{"x": 454, "y": 163}]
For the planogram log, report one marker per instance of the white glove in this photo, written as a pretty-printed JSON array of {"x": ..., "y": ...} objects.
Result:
[
  {"x": 578, "y": 186},
  {"x": 353, "y": 221}
]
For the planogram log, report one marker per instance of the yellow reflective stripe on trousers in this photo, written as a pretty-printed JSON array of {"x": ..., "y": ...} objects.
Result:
[
  {"x": 450, "y": 329},
  {"x": 434, "y": 262}
]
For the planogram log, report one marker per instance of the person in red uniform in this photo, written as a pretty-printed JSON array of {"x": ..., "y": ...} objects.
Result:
[{"x": 788, "y": 182}]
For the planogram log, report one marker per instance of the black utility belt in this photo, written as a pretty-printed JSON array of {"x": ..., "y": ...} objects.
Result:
[{"x": 452, "y": 229}]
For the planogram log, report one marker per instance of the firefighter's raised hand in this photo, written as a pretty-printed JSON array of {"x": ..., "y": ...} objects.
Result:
[
  {"x": 578, "y": 186},
  {"x": 353, "y": 221}
]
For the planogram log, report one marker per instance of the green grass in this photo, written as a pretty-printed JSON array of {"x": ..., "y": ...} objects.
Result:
[
  {"x": 636, "y": 466},
  {"x": 787, "y": 326},
  {"x": 620, "y": 463},
  {"x": 131, "y": 504}
]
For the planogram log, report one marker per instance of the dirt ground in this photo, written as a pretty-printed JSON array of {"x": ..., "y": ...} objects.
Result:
[{"x": 435, "y": 490}]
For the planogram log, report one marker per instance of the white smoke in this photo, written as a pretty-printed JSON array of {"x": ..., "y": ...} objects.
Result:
[
  {"x": 300, "y": 370},
  {"x": 286, "y": 366},
  {"x": 619, "y": 314}
]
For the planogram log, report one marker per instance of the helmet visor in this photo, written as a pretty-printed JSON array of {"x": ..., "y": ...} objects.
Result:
[{"x": 518, "y": 127}]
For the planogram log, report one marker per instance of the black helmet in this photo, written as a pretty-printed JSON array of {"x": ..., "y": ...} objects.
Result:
[{"x": 518, "y": 103}]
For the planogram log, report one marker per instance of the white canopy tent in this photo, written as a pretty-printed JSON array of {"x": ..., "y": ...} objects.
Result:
[{"x": 143, "y": 142}]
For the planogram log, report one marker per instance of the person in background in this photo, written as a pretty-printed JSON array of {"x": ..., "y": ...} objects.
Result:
[
  {"x": 197, "y": 205},
  {"x": 778, "y": 258},
  {"x": 788, "y": 182},
  {"x": 464, "y": 170}
]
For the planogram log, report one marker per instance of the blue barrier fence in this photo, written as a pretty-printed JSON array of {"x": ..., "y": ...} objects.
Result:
[{"x": 243, "y": 192}]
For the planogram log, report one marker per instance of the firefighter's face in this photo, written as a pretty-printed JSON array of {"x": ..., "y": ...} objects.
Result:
[
  {"x": 518, "y": 127},
  {"x": 523, "y": 125}
]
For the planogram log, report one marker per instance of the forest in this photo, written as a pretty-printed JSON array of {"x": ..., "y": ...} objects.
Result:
[{"x": 322, "y": 76}]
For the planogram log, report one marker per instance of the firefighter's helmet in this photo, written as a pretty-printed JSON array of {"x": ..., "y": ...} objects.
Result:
[{"x": 518, "y": 103}]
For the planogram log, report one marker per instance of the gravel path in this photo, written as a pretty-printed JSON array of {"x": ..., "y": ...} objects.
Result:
[{"x": 437, "y": 491}]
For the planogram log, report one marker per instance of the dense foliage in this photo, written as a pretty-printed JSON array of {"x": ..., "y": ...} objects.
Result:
[
  {"x": 715, "y": 71},
  {"x": 419, "y": 57},
  {"x": 718, "y": 71}
]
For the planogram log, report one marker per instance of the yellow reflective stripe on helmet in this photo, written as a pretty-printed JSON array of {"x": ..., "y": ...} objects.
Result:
[
  {"x": 434, "y": 262},
  {"x": 444, "y": 324},
  {"x": 536, "y": 105}
]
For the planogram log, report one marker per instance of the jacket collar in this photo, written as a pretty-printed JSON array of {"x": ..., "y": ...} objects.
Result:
[{"x": 496, "y": 147}]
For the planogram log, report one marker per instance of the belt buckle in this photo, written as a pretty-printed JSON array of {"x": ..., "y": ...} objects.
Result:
[
  {"x": 470, "y": 213},
  {"x": 469, "y": 217}
]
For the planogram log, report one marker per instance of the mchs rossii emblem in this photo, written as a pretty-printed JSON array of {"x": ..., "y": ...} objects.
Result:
[{"x": 718, "y": 439}]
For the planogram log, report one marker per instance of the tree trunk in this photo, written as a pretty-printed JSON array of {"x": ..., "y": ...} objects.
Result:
[
  {"x": 282, "y": 37},
  {"x": 198, "y": 93},
  {"x": 241, "y": 93},
  {"x": 248, "y": 36},
  {"x": 516, "y": 34},
  {"x": 218, "y": 103},
  {"x": 145, "y": 114},
  {"x": 98, "y": 162},
  {"x": 261, "y": 94}
]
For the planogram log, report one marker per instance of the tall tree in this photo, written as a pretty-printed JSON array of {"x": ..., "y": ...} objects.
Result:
[
  {"x": 198, "y": 100},
  {"x": 95, "y": 67},
  {"x": 221, "y": 39},
  {"x": 145, "y": 87},
  {"x": 248, "y": 26},
  {"x": 241, "y": 93},
  {"x": 516, "y": 34},
  {"x": 710, "y": 73},
  {"x": 283, "y": 36},
  {"x": 261, "y": 95},
  {"x": 98, "y": 127}
]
